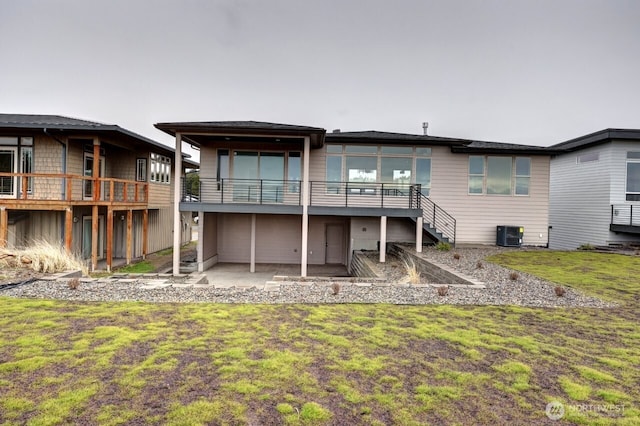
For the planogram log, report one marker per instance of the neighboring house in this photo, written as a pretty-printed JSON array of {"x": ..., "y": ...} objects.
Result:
[
  {"x": 277, "y": 193},
  {"x": 595, "y": 190},
  {"x": 101, "y": 190}
]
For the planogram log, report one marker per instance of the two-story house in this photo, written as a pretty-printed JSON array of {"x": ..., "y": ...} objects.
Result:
[
  {"x": 278, "y": 193},
  {"x": 102, "y": 190},
  {"x": 595, "y": 190}
]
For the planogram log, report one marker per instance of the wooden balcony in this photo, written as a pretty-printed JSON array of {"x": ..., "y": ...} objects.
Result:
[{"x": 39, "y": 191}]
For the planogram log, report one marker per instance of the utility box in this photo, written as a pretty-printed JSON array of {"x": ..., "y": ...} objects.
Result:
[{"x": 509, "y": 236}]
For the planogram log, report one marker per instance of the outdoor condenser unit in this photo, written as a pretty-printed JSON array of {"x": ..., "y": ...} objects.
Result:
[{"x": 509, "y": 236}]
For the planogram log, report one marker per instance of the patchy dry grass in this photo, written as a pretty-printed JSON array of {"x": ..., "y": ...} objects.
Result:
[{"x": 117, "y": 363}]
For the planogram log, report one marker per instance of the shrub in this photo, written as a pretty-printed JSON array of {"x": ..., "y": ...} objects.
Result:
[
  {"x": 560, "y": 291},
  {"x": 513, "y": 276},
  {"x": 586, "y": 246},
  {"x": 443, "y": 246},
  {"x": 336, "y": 288},
  {"x": 443, "y": 290},
  {"x": 74, "y": 283},
  {"x": 479, "y": 264},
  {"x": 456, "y": 256}
]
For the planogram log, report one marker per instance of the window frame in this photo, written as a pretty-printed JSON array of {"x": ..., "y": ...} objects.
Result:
[
  {"x": 630, "y": 195},
  {"x": 160, "y": 169},
  {"x": 142, "y": 164},
  {"x": 344, "y": 151},
  {"x": 513, "y": 177}
]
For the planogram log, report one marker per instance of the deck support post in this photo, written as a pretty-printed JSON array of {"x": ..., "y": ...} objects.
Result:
[
  {"x": 177, "y": 226},
  {"x": 145, "y": 233},
  {"x": 200, "y": 242},
  {"x": 68, "y": 228},
  {"x": 109, "y": 238},
  {"x": 94, "y": 237},
  {"x": 129, "y": 235},
  {"x": 419, "y": 234},
  {"x": 252, "y": 255},
  {"x": 383, "y": 238},
  {"x": 4, "y": 226},
  {"x": 305, "y": 207}
]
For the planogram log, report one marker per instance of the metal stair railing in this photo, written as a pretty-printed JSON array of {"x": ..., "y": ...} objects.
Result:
[{"x": 434, "y": 215}]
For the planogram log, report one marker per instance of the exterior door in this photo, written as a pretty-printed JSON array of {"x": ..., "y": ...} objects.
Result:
[
  {"x": 87, "y": 237},
  {"x": 8, "y": 164},
  {"x": 334, "y": 252}
]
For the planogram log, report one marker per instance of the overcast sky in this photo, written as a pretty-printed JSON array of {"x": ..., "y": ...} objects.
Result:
[{"x": 533, "y": 72}]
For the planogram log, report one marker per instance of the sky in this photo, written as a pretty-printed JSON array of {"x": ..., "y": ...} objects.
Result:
[{"x": 534, "y": 72}]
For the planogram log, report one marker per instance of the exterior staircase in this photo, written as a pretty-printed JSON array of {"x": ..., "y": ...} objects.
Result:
[{"x": 438, "y": 224}]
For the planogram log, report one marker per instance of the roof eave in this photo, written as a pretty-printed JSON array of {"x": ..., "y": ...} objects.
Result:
[{"x": 503, "y": 151}]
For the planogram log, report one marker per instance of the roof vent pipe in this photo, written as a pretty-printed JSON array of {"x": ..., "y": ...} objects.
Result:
[{"x": 425, "y": 126}]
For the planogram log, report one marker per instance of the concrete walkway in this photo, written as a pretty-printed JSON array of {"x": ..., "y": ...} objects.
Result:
[{"x": 225, "y": 275}]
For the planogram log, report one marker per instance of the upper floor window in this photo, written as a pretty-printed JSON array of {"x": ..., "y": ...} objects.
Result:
[
  {"x": 141, "y": 169},
  {"x": 633, "y": 176},
  {"x": 588, "y": 157},
  {"x": 160, "y": 169},
  {"x": 494, "y": 175}
]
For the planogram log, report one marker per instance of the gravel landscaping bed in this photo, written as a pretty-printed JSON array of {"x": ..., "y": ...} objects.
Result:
[{"x": 500, "y": 289}]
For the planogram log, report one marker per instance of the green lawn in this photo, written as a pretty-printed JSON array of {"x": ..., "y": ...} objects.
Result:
[{"x": 185, "y": 364}]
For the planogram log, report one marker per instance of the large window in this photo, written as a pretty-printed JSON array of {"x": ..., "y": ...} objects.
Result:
[
  {"x": 260, "y": 175},
  {"x": 294, "y": 171},
  {"x": 395, "y": 166},
  {"x": 499, "y": 175},
  {"x": 476, "y": 174},
  {"x": 633, "y": 176},
  {"x": 495, "y": 175},
  {"x": 160, "y": 169},
  {"x": 362, "y": 169},
  {"x": 523, "y": 175}
]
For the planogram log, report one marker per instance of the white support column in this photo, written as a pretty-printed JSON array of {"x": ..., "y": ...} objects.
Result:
[
  {"x": 305, "y": 206},
  {"x": 383, "y": 238},
  {"x": 419, "y": 234},
  {"x": 252, "y": 265},
  {"x": 177, "y": 192},
  {"x": 200, "y": 243}
]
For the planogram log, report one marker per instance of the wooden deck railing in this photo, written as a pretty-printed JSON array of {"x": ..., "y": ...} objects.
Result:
[{"x": 69, "y": 187}]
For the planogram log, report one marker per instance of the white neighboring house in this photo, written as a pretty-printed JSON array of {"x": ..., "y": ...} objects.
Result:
[{"x": 595, "y": 190}]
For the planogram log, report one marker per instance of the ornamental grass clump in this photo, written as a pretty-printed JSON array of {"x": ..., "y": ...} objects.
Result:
[
  {"x": 513, "y": 276},
  {"x": 443, "y": 290},
  {"x": 560, "y": 291},
  {"x": 413, "y": 275},
  {"x": 42, "y": 256}
]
